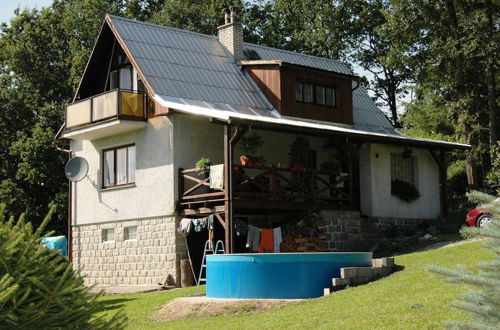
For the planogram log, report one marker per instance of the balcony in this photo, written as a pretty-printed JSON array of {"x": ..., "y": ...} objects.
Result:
[
  {"x": 266, "y": 188},
  {"x": 106, "y": 114}
]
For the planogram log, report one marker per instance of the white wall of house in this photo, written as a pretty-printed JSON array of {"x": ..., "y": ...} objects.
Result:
[
  {"x": 195, "y": 138},
  {"x": 153, "y": 192},
  {"x": 375, "y": 184}
]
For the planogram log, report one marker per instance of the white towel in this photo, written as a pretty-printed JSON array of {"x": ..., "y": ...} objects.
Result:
[
  {"x": 277, "y": 239},
  {"x": 217, "y": 176},
  {"x": 184, "y": 226}
]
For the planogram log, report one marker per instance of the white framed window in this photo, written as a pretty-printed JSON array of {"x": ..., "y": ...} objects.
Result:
[
  {"x": 130, "y": 233},
  {"x": 108, "y": 235},
  {"x": 403, "y": 168},
  {"x": 118, "y": 166}
]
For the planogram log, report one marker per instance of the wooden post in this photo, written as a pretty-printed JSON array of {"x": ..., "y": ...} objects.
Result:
[
  {"x": 228, "y": 166},
  {"x": 444, "y": 188},
  {"x": 180, "y": 184}
]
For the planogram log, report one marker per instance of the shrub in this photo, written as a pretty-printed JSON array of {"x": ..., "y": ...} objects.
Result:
[{"x": 39, "y": 288}]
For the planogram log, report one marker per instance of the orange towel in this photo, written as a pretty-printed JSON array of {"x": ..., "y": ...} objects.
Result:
[{"x": 266, "y": 240}]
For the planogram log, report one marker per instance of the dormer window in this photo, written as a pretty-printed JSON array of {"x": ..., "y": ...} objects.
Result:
[{"x": 315, "y": 94}]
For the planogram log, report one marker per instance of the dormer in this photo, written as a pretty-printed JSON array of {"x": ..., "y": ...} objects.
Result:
[
  {"x": 294, "y": 90},
  {"x": 303, "y": 92}
]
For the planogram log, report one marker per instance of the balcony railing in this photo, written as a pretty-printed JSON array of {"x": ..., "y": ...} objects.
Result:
[
  {"x": 268, "y": 185},
  {"x": 113, "y": 104}
]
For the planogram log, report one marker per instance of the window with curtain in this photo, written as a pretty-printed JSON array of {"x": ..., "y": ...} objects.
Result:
[
  {"x": 403, "y": 168},
  {"x": 119, "y": 166}
]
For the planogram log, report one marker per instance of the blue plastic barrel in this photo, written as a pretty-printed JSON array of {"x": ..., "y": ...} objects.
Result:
[
  {"x": 277, "y": 275},
  {"x": 58, "y": 243}
]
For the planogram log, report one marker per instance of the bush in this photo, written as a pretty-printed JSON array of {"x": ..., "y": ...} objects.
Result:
[{"x": 38, "y": 287}]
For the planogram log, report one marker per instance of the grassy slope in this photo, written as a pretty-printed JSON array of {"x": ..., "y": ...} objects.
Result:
[{"x": 381, "y": 304}]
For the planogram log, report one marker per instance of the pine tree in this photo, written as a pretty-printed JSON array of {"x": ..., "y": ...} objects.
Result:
[
  {"x": 483, "y": 303},
  {"x": 39, "y": 288}
]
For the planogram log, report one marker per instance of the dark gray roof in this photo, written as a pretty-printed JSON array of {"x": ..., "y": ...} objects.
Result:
[
  {"x": 193, "y": 72},
  {"x": 268, "y": 53},
  {"x": 188, "y": 65}
]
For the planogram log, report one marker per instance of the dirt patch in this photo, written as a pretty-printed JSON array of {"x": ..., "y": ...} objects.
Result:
[{"x": 196, "y": 307}]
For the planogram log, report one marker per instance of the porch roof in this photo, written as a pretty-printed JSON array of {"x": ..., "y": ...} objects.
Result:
[{"x": 272, "y": 119}]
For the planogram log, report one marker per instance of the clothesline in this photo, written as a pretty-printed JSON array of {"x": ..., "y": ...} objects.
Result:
[{"x": 258, "y": 239}]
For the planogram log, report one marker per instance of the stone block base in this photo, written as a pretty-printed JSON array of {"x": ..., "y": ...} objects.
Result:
[{"x": 131, "y": 252}]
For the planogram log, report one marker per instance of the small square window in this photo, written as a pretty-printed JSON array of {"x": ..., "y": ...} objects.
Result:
[
  {"x": 108, "y": 235},
  {"x": 130, "y": 233}
]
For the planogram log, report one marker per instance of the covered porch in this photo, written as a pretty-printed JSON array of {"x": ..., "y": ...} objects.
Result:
[{"x": 288, "y": 173}]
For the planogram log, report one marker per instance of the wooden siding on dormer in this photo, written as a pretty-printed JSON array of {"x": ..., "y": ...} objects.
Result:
[
  {"x": 277, "y": 83},
  {"x": 341, "y": 113},
  {"x": 267, "y": 78}
]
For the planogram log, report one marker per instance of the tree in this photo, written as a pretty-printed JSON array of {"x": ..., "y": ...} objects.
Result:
[
  {"x": 39, "y": 288},
  {"x": 388, "y": 82},
  {"x": 444, "y": 44},
  {"x": 198, "y": 16},
  {"x": 482, "y": 303}
]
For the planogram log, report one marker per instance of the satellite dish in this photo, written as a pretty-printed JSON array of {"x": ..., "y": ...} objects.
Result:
[{"x": 76, "y": 169}]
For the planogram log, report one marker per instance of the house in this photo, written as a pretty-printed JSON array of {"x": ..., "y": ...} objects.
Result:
[{"x": 154, "y": 100}]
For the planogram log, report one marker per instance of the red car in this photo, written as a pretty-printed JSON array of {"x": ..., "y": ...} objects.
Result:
[{"x": 479, "y": 218}]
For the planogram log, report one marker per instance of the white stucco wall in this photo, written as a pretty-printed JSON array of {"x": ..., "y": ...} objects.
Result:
[
  {"x": 153, "y": 192},
  {"x": 375, "y": 184},
  {"x": 195, "y": 138}
]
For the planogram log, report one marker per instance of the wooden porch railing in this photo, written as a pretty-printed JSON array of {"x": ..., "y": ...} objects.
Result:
[
  {"x": 278, "y": 184},
  {"x": 195, "y": 191},
  {"x": 268, "y": 184}
]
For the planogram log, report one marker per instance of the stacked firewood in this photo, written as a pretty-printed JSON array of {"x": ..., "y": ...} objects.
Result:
[{"x": 304, "y": 235}]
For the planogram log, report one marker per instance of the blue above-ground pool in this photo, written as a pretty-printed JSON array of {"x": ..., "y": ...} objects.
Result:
[{"x": 277, "y": 275}]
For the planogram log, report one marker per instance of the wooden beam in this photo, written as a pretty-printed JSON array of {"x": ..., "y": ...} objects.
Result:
[
  {"x": 222, "y": 222},
  {"x": 202, "y": 211},
  {"x": 443, "y": 189},
  {"x": 444, "y": 185},
  {"x": 228, "y": 165}
]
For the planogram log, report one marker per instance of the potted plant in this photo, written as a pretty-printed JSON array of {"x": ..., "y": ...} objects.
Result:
[
  {"x": 249, "y": 145},
  {"x": 203, "y": 166}
]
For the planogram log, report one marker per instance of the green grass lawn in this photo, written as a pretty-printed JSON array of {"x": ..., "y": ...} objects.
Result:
[{"x": 381, "y": 304}]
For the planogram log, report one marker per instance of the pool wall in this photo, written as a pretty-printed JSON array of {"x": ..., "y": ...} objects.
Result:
[{"x": 277, "y": 275}]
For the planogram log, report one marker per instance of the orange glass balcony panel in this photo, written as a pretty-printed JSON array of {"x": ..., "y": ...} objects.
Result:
[{"x": 132, "y": 104}]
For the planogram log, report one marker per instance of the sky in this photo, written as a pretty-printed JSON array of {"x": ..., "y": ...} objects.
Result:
[{"x": 7, "y": 7}]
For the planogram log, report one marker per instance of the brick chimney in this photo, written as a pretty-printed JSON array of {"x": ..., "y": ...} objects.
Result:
[{"x": 231, "y": 33}]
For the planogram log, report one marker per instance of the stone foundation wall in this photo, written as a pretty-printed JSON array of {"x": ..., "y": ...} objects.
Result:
[
  {"x": 147, "y": 259},
  {"x": 348, "y": 231}
]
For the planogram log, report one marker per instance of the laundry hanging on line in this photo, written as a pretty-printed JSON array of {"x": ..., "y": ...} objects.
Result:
[{"x": 184, "y": 226}]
